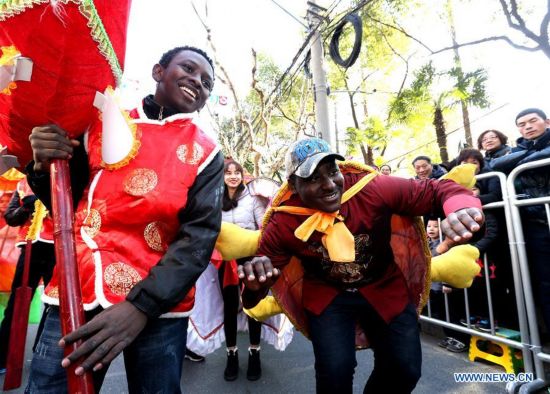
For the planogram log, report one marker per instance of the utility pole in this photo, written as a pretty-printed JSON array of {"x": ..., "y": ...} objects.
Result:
[{"x": 322, "y": 126}]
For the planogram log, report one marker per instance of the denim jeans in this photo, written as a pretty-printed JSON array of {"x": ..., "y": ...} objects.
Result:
[
  {"x": 396, "y": 346},
  {"x": 153, "y": 360}
]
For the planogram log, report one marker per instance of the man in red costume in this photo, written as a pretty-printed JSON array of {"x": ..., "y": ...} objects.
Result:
[
  {"x": 144, "y": 233},
  {"x": 339, "y": 225}
]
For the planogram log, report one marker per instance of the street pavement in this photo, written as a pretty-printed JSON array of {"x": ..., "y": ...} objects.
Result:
[{"x": 292, "y": 371}]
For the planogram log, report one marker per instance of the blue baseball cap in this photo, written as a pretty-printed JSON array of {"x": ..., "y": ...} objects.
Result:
[{"x": 303, "y": 156}]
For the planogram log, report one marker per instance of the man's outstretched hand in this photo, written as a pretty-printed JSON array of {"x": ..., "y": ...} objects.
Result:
[
  {"x": 460, "y": 225},
  {"x": 104, "y": 337},
  {"x": 258, "y": 273}
]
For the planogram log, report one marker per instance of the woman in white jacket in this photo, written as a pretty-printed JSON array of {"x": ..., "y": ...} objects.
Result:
[
  {"x": 245, "y": 210},
  {"x": 216, "y": 315}
]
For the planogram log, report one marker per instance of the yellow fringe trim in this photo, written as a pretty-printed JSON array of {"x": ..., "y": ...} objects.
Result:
[
  {"x": 12, "y": 175},
  {"x": 11, "y": 8},
  {"x": 98, "y": 33},
  {"x": 38, "y": 216}
]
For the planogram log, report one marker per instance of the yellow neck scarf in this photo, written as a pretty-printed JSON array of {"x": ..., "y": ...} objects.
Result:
[{"x": 337, "y": 238}]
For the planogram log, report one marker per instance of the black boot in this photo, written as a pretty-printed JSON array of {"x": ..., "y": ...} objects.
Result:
[
  {"x": 254, "y": 371},
  {"x": 232, "y": 369}
]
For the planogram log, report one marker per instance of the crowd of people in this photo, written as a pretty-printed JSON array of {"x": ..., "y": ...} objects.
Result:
[
  {"x": 533, "y": 144},
  {"x": 147, "y": 231}
]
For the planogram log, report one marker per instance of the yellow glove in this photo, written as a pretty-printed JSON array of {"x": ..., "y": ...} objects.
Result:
[
  {"x": 266, "y": 308},
  {"x": 456, "y": 267},
  {"x": 464, "y": 174},
  {"x": 235, "y": 242}
]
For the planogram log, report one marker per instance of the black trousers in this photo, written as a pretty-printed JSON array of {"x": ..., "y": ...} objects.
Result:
[{"x": 231, "y": 303}]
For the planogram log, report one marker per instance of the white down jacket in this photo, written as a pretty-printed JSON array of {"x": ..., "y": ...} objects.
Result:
[{"x": 248, "y": 213}]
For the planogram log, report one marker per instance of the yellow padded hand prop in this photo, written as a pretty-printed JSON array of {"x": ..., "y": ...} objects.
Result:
[
  {"x": 235, "y": 242},
  {"x": 464, "y": 175},
  {"x": 266, "y": 308},
  {"x": 456, "y": 267}
]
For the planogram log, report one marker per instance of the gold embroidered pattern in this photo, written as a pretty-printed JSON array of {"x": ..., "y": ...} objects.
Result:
[
  {"x": 53, "y": 292},
  {"x": 140, "y": 181},
  {"x": 120, "y": 278},
  {"x": 92, "y": 223},
  {"x": 183, "y": 154},
  {"x": 153, "y": 236}
]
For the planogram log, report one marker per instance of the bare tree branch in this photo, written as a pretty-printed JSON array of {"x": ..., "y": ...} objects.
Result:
[
  {"x": 519, "y": 25},
  {"x": 399, "y": 29},
  {"x": 494, "y": 38}
]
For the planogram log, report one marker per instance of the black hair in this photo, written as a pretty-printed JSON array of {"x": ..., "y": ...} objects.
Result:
[
  {"x": 528, "y": 111},
  {"x": 501, "y": 136},
  {"x": 470, "y": 153},
  {"x": 167, "y": 57},
  {"x": 422, "y": 158},
  {"x": 228, "y": 203},
  {"x": 385, "y": 165}
]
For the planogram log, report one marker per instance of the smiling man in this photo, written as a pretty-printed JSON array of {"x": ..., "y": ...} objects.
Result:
[
  {"x": 145, "y": 232},
  {"x": 338, "y": 221}
]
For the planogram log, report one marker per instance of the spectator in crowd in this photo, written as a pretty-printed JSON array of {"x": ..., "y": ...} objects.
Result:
[
  {"x": 240, "y": 207},
  {"x": 489, "y": 188},
  {"x": 385, "y": 169},
  {"x": 502, "y": 283},
  {"x": 424, "y": 168},
  {"x": 19, "y": 214},
  {"x": 534, "y": 144},
  {"x": 494, "y": 143},
  {"x": 437, "y": 289}
]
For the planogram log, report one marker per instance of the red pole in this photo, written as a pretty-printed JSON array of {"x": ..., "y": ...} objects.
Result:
[
  {"x": 19, "y": 325},
  {"x": 70, "y": 296}
]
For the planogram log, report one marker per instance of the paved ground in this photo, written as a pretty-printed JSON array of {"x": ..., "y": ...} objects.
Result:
[{"x": 292, "y": 371}]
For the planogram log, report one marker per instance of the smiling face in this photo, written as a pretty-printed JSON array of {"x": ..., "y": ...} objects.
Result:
[
  {"x": 323, "y": 189},
  {"x": 423, "y": 169},
  {"x": 386, "y": 170},
  {"x": 232, "y": 177},
  {"x": 490, "y": 141},
  {"x": 532, "y": 126},
  {"x": 185, "y": 84}
]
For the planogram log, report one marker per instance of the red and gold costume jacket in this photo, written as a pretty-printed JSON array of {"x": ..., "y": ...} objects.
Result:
[{"x": 129, "y": 215}]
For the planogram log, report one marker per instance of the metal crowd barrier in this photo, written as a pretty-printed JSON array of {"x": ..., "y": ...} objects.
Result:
[
  {"x": 529, "y": 343},
  {"x": 514, "y": 205}
]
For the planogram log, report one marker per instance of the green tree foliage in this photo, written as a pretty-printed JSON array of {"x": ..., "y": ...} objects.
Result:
[
  {"x": 369, "y": 77},
  {"x": 433, "y": 94}
]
